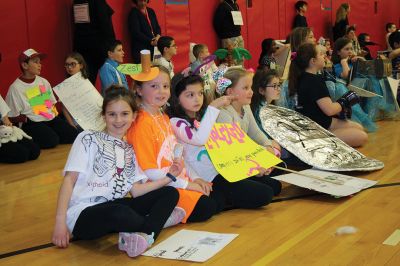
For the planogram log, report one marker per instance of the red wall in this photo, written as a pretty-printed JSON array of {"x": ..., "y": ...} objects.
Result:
[{"x": 45, "y": 25}]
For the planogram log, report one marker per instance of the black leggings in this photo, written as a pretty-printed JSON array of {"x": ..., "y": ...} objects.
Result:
[
  {"x": 18, "y": 152},
  {"x": 244, "y": 194},
  {"x": 147, "y": 213},
  {"x": 50, "y": 133}
]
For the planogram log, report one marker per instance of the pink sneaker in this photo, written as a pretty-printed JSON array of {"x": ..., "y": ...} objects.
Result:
[
  {"x": 134, "y": 243},
  {"x": 176, "y": 217}
]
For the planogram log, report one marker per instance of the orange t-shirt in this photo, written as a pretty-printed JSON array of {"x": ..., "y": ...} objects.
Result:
[{"x": 153, "y": 141}]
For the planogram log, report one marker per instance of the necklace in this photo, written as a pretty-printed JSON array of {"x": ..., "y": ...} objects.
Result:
[{"x": 165, "y": 132}]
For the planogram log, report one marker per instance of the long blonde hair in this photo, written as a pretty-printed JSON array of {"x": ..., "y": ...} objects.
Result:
[{"x": 342, "y": 11}]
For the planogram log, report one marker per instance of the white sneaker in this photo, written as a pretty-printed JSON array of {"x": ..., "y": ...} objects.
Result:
[
  {"x": 176, "y": 217},
  {"x": 135, "y": 243}
]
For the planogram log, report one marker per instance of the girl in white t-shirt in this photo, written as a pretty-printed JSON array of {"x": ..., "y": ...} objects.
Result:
[
  {"x": 187, "y": 108},
  {"x": 101, "y": 169}
]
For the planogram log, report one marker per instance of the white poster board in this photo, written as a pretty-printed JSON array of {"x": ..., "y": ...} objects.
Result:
[
  {"x": 191, "y": 245},
  {"x": 347, "y": 185},
  {"x": 82, "y": 101}
]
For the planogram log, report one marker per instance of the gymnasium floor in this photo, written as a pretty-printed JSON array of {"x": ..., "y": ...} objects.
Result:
[{"x": 297, "y": 229}]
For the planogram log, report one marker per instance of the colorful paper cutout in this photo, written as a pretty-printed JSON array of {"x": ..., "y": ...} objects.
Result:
[
  {"x": 46, "y": 115},
  {"x": 48, "y": 104},
  {"x": 234, "y": 155},
  {"x": 130, "y": 69},
  {"x": 32, "y": 92},
  {"x": 42, "y": 88},
  {"x": 39, "y": 108},
  {"x": 39, "y": 100}
]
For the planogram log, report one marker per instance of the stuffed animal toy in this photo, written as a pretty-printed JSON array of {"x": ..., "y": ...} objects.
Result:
[{"x": 13, "y": 134}]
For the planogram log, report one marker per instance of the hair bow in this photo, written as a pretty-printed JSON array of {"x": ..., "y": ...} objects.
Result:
[
  {"x": 222, "y": 85},
  {"x": 293, "y": 56},
  {"x": 219, "y": 73}
]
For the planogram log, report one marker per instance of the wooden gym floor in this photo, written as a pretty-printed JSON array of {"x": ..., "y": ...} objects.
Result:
[{"x": 297, "y": 229}]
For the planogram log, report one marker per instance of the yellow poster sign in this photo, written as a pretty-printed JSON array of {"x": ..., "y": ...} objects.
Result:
[{"x": 235, "y": 155}]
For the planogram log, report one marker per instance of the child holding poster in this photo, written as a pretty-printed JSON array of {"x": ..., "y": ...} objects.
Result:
[
  {"x": 154, "y": 142},
  {"x": 30, "y": 96},
  {"x": 237, "y": 82},
  {"x": 187, "y": 108},
  {"x": 74, "y": 64},
  {"x": 101, "y": 169}
]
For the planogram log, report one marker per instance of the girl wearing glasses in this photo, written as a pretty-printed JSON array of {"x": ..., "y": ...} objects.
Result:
[{"x": 266, "y": 90}]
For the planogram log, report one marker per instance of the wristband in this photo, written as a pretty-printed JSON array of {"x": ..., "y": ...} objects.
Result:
[{"x": 171, "y": 176}]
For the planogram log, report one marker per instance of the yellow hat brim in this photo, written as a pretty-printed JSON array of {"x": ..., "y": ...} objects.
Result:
[{"x": 152, "y": 74}]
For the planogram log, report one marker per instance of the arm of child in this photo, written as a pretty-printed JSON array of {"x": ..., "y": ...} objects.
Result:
[
  {"x": 61, "y": 235},
  {"x": 68, "y": 116},
  {"x": 198, "y": 137},
  {"x": 395, "y": 53},
  {"x": 328, "y": 107},
  {"x": 345, "y": 68},
  {"x": 138, "y": 189}
]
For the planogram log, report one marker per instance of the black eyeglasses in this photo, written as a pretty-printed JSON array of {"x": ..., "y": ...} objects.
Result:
[
  {"x": 73, "y": 64},
  {"x": 275, "y": 86}
]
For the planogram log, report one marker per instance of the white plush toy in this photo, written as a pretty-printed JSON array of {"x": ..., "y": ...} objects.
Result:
[{"x": 13, "y": 134}]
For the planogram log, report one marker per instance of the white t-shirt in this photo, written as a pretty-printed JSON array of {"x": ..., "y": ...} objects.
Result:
[
  {"x": 4, "y": 109},
  {"x": 18, "y": 101},
  {"x": 194, "y": 152},
  {"x": 107, "y": 169},
  {"x": 167, "y": 64}
]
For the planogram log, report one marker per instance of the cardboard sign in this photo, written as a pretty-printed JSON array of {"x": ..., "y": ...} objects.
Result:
[
  {"x": 234, "y": 155},
  {"x": 130, "y": 69},
  {"x": 82, "y": 100}
]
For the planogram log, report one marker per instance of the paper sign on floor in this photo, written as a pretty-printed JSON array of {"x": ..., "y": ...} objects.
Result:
[
  {"x": 191, "y": 245},
  {"x": 348, "y": 184}
]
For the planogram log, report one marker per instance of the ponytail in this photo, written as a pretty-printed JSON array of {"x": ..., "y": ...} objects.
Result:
[{"x": 300, "y": 63}]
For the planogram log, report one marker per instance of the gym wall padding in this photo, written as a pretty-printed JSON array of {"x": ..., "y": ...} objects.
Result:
[{"x": 46, "y": 25}]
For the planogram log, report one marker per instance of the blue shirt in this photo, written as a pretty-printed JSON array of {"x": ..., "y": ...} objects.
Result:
[
  {"x": 339, "y": 69},
  {"x": 109, "y": 75}
]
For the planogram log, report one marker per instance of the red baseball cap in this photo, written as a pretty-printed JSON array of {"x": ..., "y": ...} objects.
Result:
[{"x": 28, "y": 54}]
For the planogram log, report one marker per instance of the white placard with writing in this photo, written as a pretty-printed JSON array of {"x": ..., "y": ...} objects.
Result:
[
  {"x": 82, "y": 101},
  {"x": 346, "y": 185},
  {"x": 237, "y": 18},
  {"x": 191, "y": 245}
]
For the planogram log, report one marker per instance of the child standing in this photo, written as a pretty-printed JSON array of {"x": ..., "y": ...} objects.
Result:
[
  {"x": 109, "y": 74},
  {"x": 154, "y": 142},
  {"x": 300, "y": 19},
  {"x": 101, "y": 169},
  {"x": 187, "y": 108},
  {"x": 239, "y": 85},
  {"x": 168, "y": 49},
  {"x": 390, "y": 28},
  {"x": 31, "y": 96},
  {"x": 200, "y": 52},
  {"x": 314, "y": 100}
]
